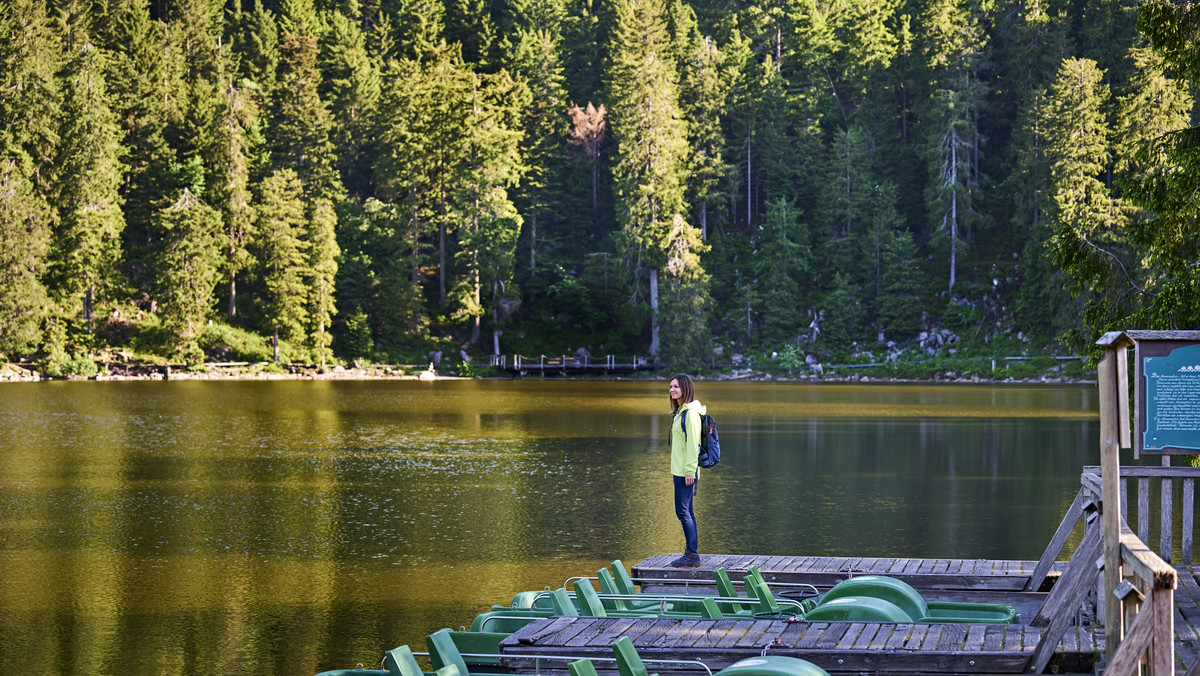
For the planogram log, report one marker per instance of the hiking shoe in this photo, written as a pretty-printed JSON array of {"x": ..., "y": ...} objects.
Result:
[{"x": 687, "y": 561}]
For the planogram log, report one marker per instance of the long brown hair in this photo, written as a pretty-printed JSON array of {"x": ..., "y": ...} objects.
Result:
[{"x": 687, "y": 392}]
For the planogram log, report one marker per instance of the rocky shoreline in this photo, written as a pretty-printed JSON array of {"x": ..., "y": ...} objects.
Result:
[
  {"x": 10, "y": 372},
  {"x": 240, "y": 371}
]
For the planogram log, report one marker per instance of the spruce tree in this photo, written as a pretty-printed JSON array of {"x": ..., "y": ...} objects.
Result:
[
  {"x": 352, "y": 86},
  {"x": 1083, "y": 215},
  {"x": 281, "y": 256},
  {"x": 187, "y": 268},
  {"x": 87, "y": 251},
  {"x": 650, "y": 172},
  {"x": 321, "y": 272},
  {"x": 300, "y": 122},
  {"x": 1167, "y": 191},
  {"x": 25, "y": 231},
  {"x": 489, "y": 165},
  {"x": 536, "y": 56},
  {"x": 902, "y": 287},
  {"x": 783, "y": 267}
]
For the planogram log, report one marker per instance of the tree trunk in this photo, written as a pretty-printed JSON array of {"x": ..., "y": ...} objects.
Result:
[
  {"x": 654, "y": 313},
  {"x": 953, "y": 205},
  {"x": 533, "y": 242},
  {"x": 496, "y": 332},
  {"x": 704, "y": 220},
  {"x": 749, "y": 180},
  {"x": 232, "y": 296},
  {"x": 275, "y": 344}
]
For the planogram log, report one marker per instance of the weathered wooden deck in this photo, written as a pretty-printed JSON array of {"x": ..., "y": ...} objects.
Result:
[
  {"x": 837, "y": 647},
  {"x": 1187, "y": 620},
  {"x": 826, "y": 571}
]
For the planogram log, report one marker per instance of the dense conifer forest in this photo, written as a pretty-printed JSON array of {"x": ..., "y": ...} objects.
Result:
[{"x": 313, "y": 180}]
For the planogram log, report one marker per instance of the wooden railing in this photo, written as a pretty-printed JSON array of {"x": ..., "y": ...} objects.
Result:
[
  {"x": 1170, "y": 483},
  {"x": 1139, "y": 631}
]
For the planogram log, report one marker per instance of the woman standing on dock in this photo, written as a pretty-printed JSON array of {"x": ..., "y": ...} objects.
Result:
[{"x": 685, "y": 465}]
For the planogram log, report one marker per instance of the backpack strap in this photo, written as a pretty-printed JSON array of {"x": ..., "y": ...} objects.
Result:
[{"x": 683, "y": 422}]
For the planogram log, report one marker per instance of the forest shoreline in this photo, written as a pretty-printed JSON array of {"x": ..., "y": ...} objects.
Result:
[{"x": 12, "y": 373}]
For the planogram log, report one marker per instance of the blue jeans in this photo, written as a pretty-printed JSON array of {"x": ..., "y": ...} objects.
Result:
[{"x": 683, "y": 509}]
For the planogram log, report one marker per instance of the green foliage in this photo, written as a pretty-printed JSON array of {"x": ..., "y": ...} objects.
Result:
[
  {"x": 186, "y": 272},
  {"x": 25, "y": 231},
  {"x": 444, "y": 170},
  {"x": 356, "y": 340},
  {"x": 281, "y": 218},
  {"x": 59, "y": 363}
]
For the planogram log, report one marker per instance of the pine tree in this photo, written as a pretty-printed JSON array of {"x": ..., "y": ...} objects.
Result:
[
  {"x": 352, "y": 87},
  {"x": 321, "y": 272},
  {"x": 187, "y": 268},
  {"x": 954, "y": 49},
  {"x": 901, "y": 288},
  {"x": 300, "y": 120},
  {"x": 87, "y": 240},
  {"x": 281, "y": 256},
  {"x": 469, "y": 23},
  {"x": 1167, "y": 238},
  {"x": 420, "y": 28},
  {"x": 1082, "y": 213},
  {"x": 28, "y": 133},
  {"x": 257, "y": 46},
  {"x": 536, "y": 56},
  {"x": 704, "y": 95},
  {"x": 136, "y": 73},
  {"x": 490, "y": 165},
  {"x": 235, "y": 140},
  {"x": 421, "y": 143},
  {"x": 25, "y": 231},
  {"x": 782, "y": 268},
  {"x": 651, "y": 139}
]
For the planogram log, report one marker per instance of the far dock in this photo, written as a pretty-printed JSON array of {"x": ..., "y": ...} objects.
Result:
[{"x": 562, "y": 365}]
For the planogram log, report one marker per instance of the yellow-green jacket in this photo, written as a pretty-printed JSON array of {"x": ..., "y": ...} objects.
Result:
[{"x": 684, "y": 454}]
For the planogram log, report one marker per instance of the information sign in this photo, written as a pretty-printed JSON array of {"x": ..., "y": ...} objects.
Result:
[{"x": 1171, "y": 423}]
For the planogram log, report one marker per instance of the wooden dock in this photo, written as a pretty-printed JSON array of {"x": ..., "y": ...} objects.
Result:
[
  {"x": 825, "y": 571},
  {"x": 837, "y": 647},
  {"x": 563, "y": 365}
]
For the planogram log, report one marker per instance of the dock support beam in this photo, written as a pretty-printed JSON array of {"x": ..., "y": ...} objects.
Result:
[{"x": 1110, "y": 473}]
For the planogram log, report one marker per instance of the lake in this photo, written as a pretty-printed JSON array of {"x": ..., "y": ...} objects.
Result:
[{"x": 287, "y": 527}]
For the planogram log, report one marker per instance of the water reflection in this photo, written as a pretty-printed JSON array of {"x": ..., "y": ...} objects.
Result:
[{"x": 287, "y": 527}]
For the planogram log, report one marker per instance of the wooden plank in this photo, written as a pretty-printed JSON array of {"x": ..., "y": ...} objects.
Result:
[
  {"x": 864, "y": 640},
  {"x": 993, "y": 638},
  {"x": 883, "y": 634},
  {"x": 1167, "y": 531},
  {"x": 812, "y": 637},
  {"x": 1187, "y": 604},
  {"x": 933, "y": 637},
  {"x": 1050, "y": 555},
  {"x": 916, "y": 637},
  {"x": 1066, "y": 595},
  {"x": 707, "y": 635},
  {"x": 831, "y": 636},
  {"x": 754, "y": 635},
  {"x": 1143, "y": 509},
  {"x": 792, "y": 634},
  {"x": 851, "y": 635},
  {"x": 1134, "y": 644},
  {"x": 1188, "y": 517},
  {"x": 900, "y": 634},
  {"x": 621, "y": 627},
  {"x": 953, "y": 637}
]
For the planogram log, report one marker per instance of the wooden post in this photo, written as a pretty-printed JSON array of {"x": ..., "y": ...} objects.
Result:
[{"x": 1110, "y": 473}]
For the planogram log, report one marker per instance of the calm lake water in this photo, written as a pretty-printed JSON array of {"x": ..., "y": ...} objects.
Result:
[{"x": 290, "y": 527}]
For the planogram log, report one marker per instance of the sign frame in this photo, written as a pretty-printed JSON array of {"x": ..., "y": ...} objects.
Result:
[{"x": 1152, "y": 348}]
